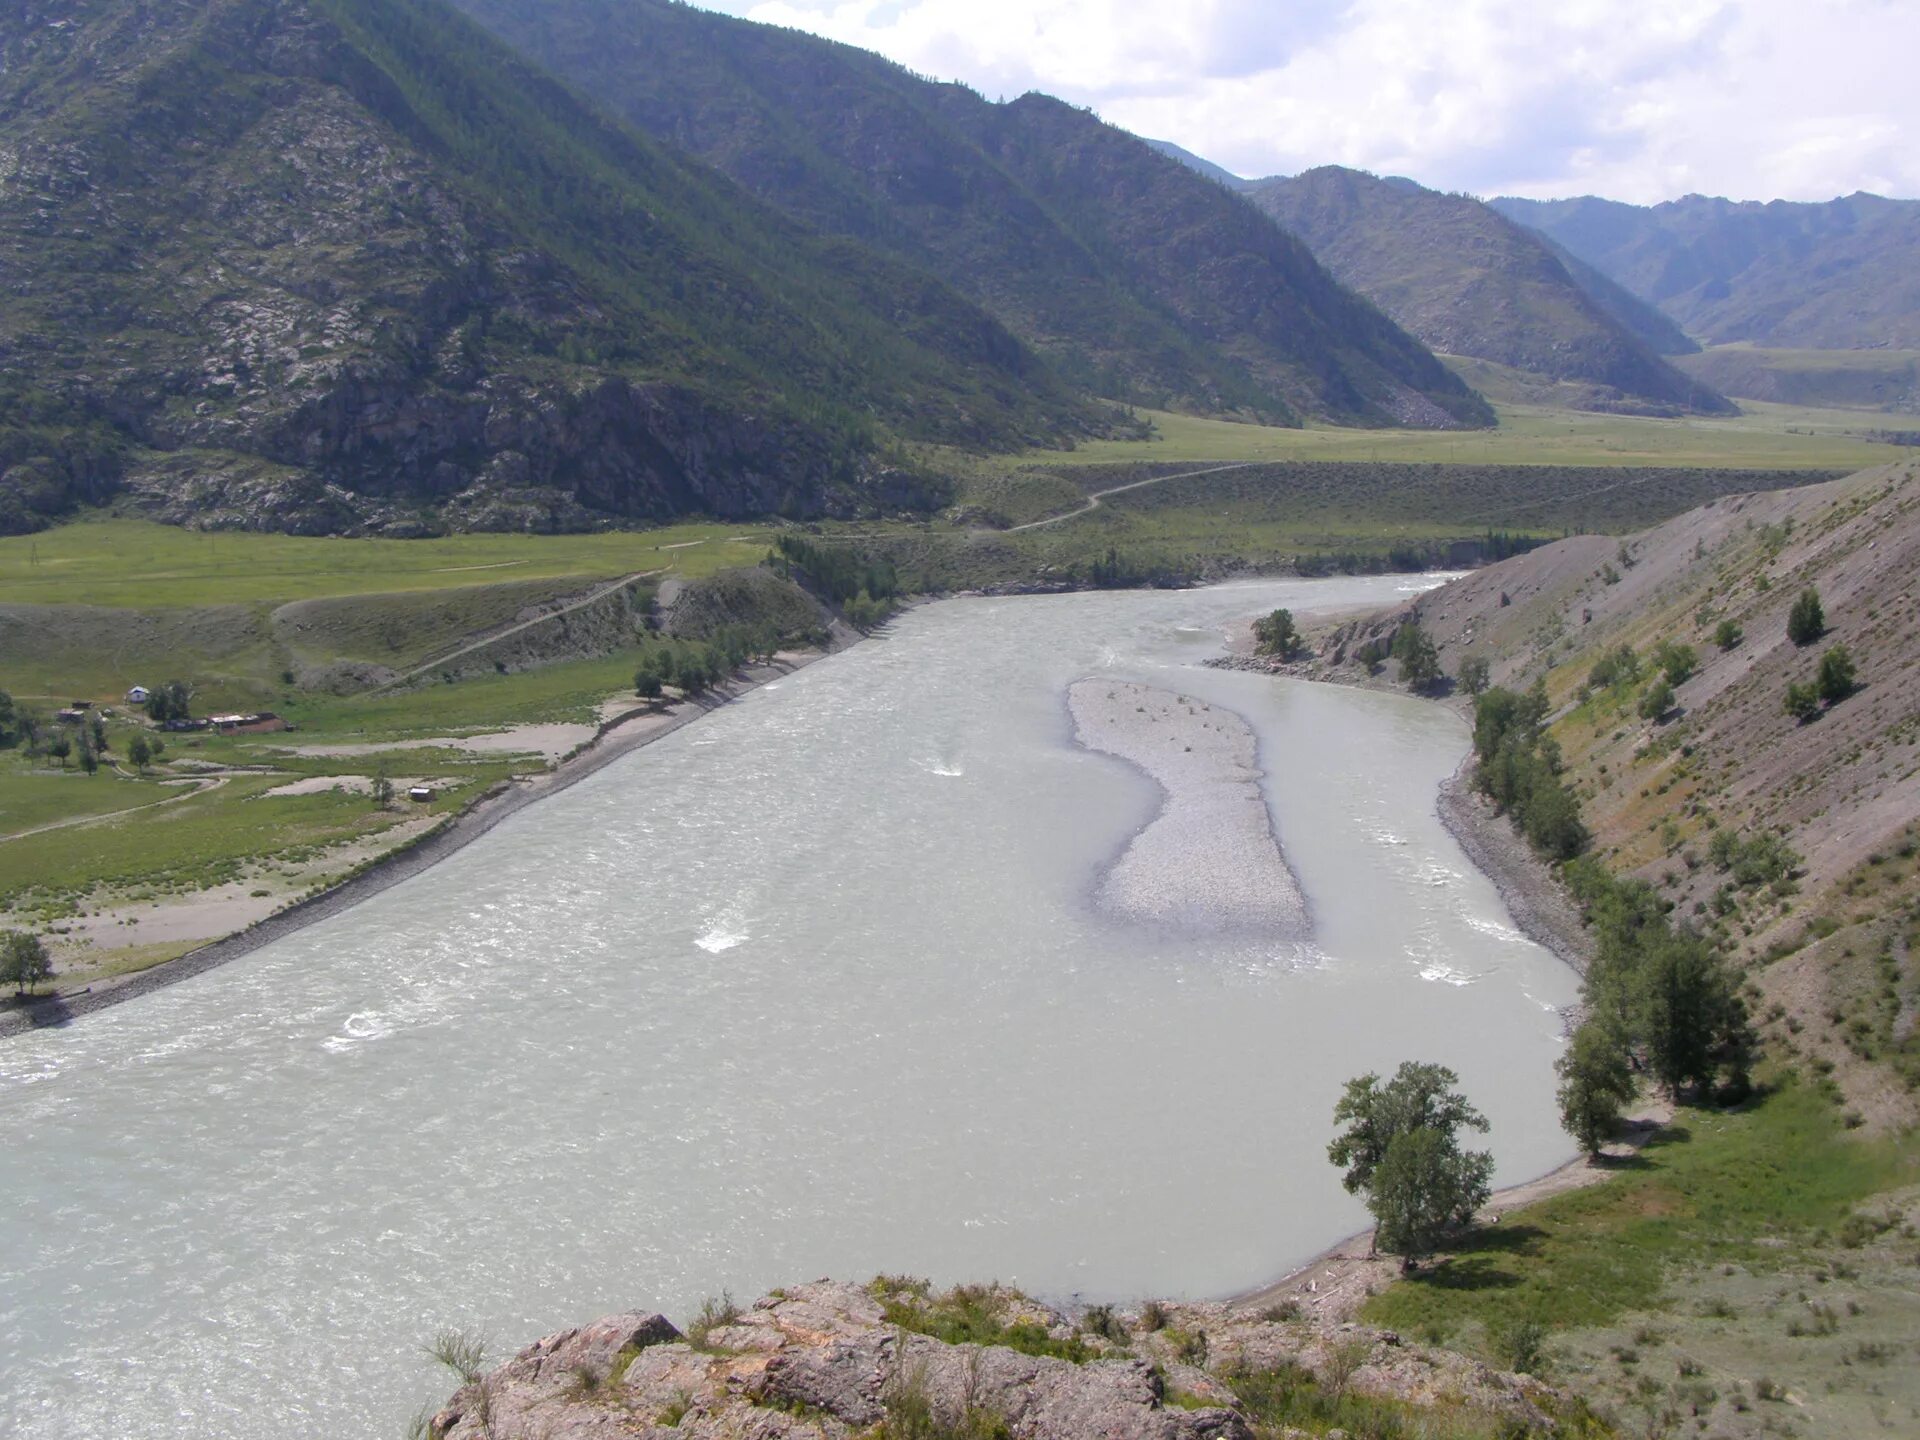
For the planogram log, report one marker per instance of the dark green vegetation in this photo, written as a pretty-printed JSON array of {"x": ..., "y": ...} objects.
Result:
[
  {"x": 969, "y": 1315},
  {"x": 1401, "y": 1149},
  {"x": 1839, "y": 275},
  {"x": 1137, "y": 278},
  {"x": 1518, "y": 768},
  {"x": 1468, "y": 281},
  {"x": 335, "y": 264}
]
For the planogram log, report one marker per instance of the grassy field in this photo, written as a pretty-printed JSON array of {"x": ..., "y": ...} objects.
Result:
[
  {"x": 1765, "y": 1247},
  {"x": 138, "y": 565},
  {"x": 1767, "y": 437}
]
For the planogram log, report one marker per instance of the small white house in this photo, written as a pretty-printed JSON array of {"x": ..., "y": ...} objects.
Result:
[
  {"x": 420, "y": 792},
  {"x": 138, "y": 695}
]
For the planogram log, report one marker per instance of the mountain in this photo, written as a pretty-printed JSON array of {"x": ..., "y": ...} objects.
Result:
[
  {"x": 1219, "y": 174},
  {"x": 1136, "y": 277},
  {"x": 1468, "y": 281},
  {"x": 344, "y": 264},
  {"x": 1840, "y": 275}
]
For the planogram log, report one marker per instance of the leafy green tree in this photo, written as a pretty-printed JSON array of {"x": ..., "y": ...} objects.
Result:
[
  {"x": 1803, "y": 702},
  {"x": 1596, "y": 1081},
  {"x": 1656, "y": 700},
  {"x": 1727, "y": 635},
  {"x": 60, "y": 747},
  {"x": 139, "y": 752},
  {"x": 1806, "y": 621},
  {"x": 1419, "y": 659},
  {"x": 89, "y": 757},
  {"x": 1619, "y": 666},
  {"x": 382, "y": 790},
  {"x": 1678, "y": 661},
  {"x": 1276, "y": 634},
  {"x": 1691, "y": 1018},
  {"x": 23, "y": 960},
  {"x": 97, "y": 729},
  {"x": 1836, "y": 677},
  {"x": 168, "y": 702},
  {"x": 1475, "y": 672},
  {"x": 1401, "y": 1149},
  {"x": 646, "y": 684},
  {"x": 1424, "y": 1188}
]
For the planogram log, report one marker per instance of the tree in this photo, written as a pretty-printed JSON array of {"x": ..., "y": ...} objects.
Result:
[
  {"x": 1596, "y": 1080},
  {"x": 1656, "y": 700},
  {"x": 171, "y": 701},
  {"x": 1691, "y": 1018},
  {"x": 1276, "y": 634},
  {"x": 382, "y": 790},
  {"x": 23, "y": 960},
  {"x": 1836, "y": 680},
  {"x": 1806, "y": 621},
  {"x": 647, "y": 685},
  {"x": 97, "y": 728},
  {"x": 1678, "y": 661},
  {"x": 60, "y": 747},
  {"x": 1727, "y": 635},
  {"x": 139, "y": 752},
  {"x": 1803, "y": 702},
  {"x": 1425, "y": 1186},
  {"x": 1475, "y": 672},
  {"x": 89, "y": 759},
  {"x": 1419, "y": 660},
  {"x": 1401, "y": 1149}
]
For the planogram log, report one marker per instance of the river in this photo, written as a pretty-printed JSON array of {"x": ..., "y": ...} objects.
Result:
[{"x": 813, "y": 987}]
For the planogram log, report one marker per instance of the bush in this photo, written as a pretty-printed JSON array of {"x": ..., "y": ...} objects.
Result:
[
  {"x": 1803, "y": 702},
  {"x": 1276, "y": 634},
  {"x": 1728, "y": 635},
  {"x": 1419, "y": 660},
  {"x": 1475, "y": 671},
  {"x": 1619, "y": 666},
  {"x": 1657, "y": 700},
  {"x": 1835, "y": 681},
  {"x": 1678, "y": 661},
  {"x": 1806, "y": 621}
]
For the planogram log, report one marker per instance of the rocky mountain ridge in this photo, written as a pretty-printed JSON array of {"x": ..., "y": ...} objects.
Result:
[
  {"x": 1470, "y": 282},
  {"x": 339, "y": 266},
  {"x": 1835, "y": 275},
  {"x": 836, "y": 1360},
  {"x": 1138, "y": 279}
]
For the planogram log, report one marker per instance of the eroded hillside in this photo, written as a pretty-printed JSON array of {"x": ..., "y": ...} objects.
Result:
[{"x": 1792, "y": 838}]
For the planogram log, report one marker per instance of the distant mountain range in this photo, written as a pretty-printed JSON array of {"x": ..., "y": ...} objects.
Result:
[
  {"x": 1840, "y": 275},
  {"x": 1470, "y": 282},
  {"x": 1137, "y": 280},
  {"x": 361, "y": 265}
]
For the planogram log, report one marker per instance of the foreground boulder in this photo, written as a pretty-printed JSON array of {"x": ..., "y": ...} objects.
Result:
[{"x": 894, "y": 1359}]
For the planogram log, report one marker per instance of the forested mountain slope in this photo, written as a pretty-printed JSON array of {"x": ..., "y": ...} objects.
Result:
[
  {"x": 1140, "y": 279},
  {"x": 350, "y": 264},
  {"x": 1468, "y": 281},
  {"x": 1836, "y": 275}
]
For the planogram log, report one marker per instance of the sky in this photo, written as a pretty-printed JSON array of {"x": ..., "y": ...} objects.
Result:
[{"x": 1638, "y": 100}]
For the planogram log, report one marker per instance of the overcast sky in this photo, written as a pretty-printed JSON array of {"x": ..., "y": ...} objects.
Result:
[{"x": 1640, "y": 100}]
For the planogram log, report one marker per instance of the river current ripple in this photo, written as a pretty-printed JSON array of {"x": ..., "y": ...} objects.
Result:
[{"x": 811, "y": 987}]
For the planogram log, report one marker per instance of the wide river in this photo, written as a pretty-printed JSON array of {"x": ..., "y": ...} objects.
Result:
[{"x": 813, "y": 987}]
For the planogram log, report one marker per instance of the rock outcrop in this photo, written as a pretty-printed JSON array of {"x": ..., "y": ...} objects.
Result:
[{"x": 834, "y": 1360}]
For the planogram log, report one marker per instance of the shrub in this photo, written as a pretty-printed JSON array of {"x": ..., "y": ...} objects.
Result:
[
  {"x": 1276, "y": 634},
  {"x": 1678, "y": 661},
  {"x": 1802, "y": 702},
  {"x": 1728, "y": 635},
  {"x": 1657, "y": 700},
  {"x": 715, "y": 1314},
  {"x": 1806, "y": 621},
  {"x": 461, "y": 1351},
  {"x": 1475, "y": 671},
  {"x": 1836, "y": 678}
]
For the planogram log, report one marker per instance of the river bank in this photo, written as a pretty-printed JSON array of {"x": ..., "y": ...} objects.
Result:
[{"x": 418, "y": 851}]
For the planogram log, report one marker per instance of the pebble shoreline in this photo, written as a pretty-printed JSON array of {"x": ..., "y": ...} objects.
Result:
[{"x": 1210, "y": 860}]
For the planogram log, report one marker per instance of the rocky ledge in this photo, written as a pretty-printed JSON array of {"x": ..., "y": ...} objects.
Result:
[{"x": 892, "y": 1360}]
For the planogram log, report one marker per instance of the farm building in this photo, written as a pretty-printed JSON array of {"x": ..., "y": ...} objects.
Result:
[
  {"x": 139, "y": 695},
  {"x": 420, "y": 792}
]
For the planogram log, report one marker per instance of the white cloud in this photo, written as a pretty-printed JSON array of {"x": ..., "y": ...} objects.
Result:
[{"x": 1757, "y": 99}]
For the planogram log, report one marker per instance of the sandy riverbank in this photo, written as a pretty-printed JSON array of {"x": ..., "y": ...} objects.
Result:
[
  {"x": 1210, "y": 859},
  {"x": 254, "y": 924}
]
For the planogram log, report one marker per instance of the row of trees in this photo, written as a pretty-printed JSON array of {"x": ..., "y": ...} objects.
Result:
[
  {"x": 1518, "y": 765},
  {"x": 695, "y": 666}
]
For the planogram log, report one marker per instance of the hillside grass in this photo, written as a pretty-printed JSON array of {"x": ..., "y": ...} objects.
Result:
[
  {"x": 1753, "y": 1188},
  {"x": 1766, "y": 437}
]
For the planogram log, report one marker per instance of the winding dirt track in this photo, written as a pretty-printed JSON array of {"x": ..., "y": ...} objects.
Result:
[{"x": 1093, "y": 499}]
